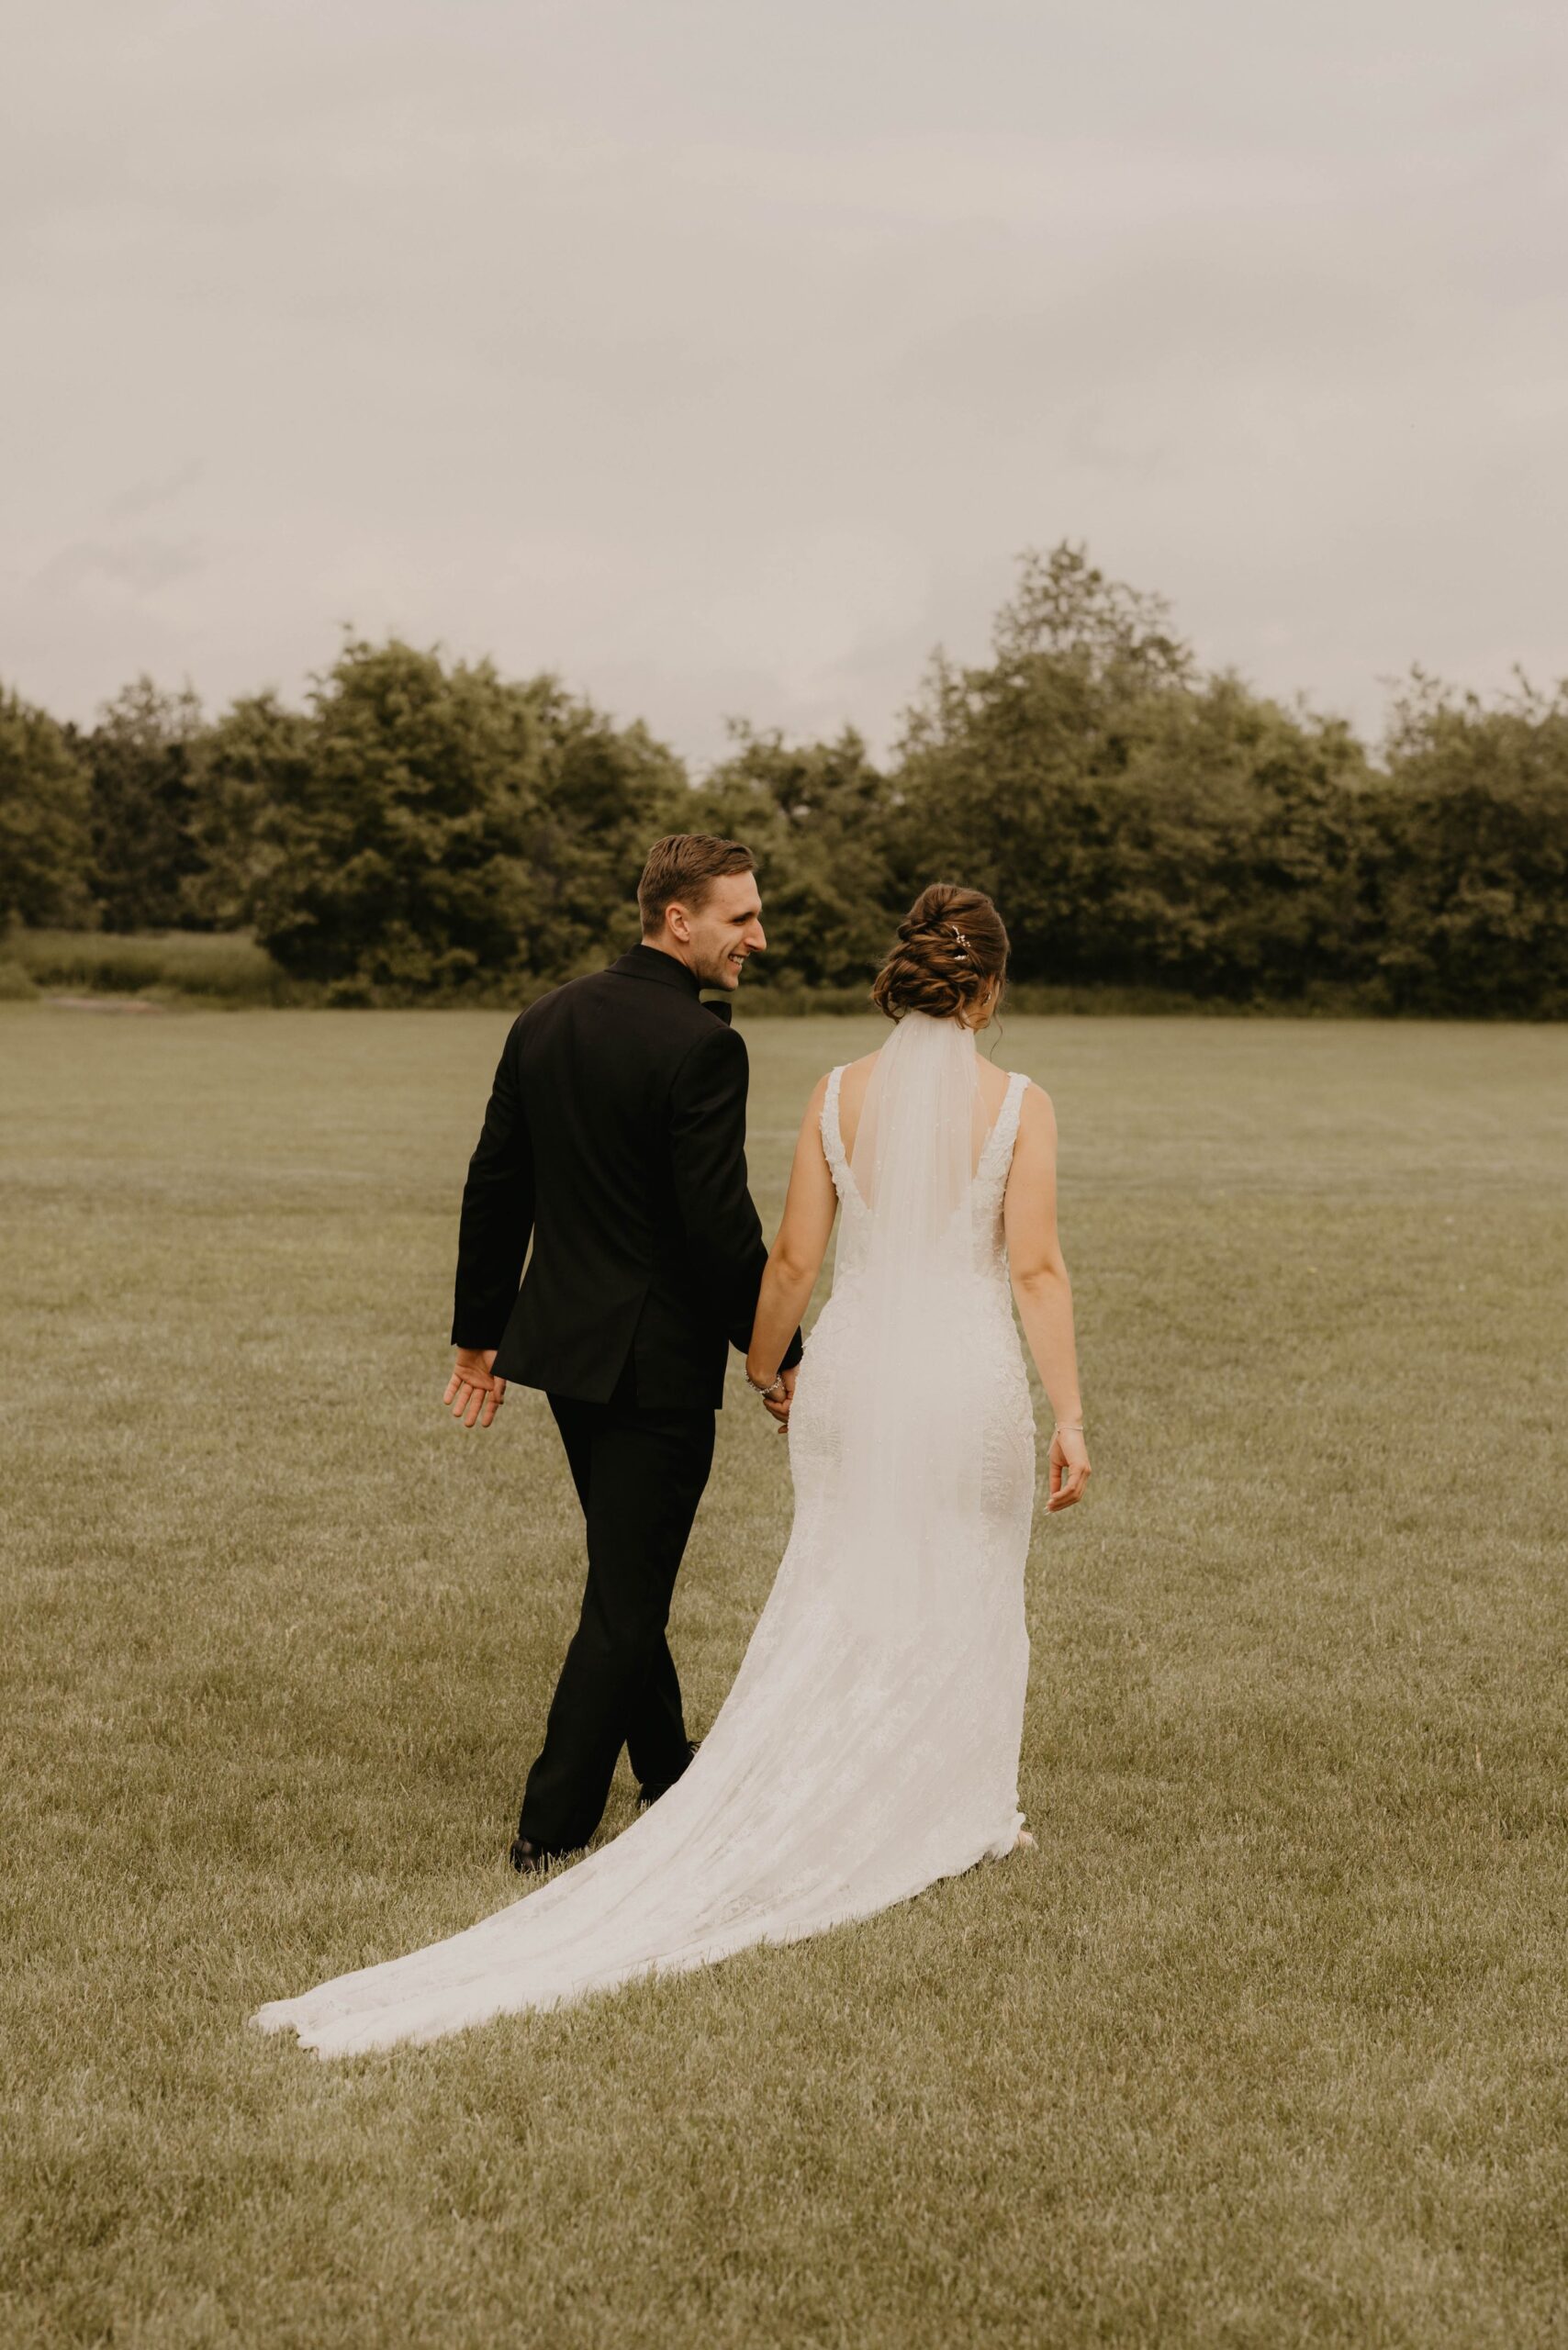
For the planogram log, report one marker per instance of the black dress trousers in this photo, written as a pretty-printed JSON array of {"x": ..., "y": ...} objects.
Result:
[{"x": 639, "y": 1472}]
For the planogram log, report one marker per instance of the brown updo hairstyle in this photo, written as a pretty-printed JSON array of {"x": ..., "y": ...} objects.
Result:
[{"x": 952, "y": 947}]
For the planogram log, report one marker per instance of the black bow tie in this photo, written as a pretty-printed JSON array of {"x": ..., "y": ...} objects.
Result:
[{"x": 721, "y": 1009}]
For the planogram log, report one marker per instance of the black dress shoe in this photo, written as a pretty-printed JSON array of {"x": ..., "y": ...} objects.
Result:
[
  {"x": 647, "y": 1794},
  {"x": 526, "y": 1856}
]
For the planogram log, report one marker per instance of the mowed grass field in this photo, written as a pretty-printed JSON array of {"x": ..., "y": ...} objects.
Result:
[{"x": 1266, "y": 2044}]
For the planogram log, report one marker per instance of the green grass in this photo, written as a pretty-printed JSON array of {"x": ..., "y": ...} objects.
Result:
[{"x": 1265, "y": 2045}]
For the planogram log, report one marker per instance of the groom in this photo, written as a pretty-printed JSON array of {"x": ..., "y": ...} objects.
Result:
[{"x": 615, "y": 1135}]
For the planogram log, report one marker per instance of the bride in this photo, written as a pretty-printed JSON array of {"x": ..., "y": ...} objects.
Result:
[{"x": 869, "y": 1744}]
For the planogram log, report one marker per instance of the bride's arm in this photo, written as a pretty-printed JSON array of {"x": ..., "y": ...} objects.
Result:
[
  {"x": 795, "y": 1257},
  {"x": 1040, "y": 1284}
]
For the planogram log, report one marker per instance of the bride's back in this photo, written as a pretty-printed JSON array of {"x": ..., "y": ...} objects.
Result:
[{"x": 855, "y": 1077}]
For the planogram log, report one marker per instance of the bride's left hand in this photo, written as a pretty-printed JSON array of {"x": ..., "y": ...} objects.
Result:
[
  {"x": 780, "y": 1411},
  {"x": 1069, "y": 1468}
]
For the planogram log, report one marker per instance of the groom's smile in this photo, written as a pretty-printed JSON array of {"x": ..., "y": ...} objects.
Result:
[{"x": 715, "y": 937}]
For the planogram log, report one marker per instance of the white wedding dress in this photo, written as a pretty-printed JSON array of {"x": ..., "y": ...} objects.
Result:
[{"x": 869, "y": 1744}]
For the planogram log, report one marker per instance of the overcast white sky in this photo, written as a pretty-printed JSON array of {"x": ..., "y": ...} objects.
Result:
[{"x": 723, "y": 355}]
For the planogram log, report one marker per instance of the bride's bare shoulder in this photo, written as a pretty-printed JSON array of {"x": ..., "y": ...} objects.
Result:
[
  {"x": 848, "y": 1087},
  {"x": 847, "y": 1072},
  {"x": 1036, "y": 1112},
  {"x": 993, "y": 1084},
  {"x": 1036, "y": 1117},
  {"x": 853, "y": 1077},
  {"x": 1001, "y": 1079}
]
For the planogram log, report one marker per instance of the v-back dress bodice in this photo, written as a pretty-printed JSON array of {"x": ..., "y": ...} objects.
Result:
[
  {"x": 981, "y": 1354},
  {"x": 986, "y": 1200}
]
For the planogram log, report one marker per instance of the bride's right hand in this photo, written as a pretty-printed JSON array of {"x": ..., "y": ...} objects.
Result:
[
  {"x": 780, "y": 1410},
  {"x": 1069, "y": 1468}
]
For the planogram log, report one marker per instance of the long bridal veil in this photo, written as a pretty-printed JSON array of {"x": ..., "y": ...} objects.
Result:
[
  {"x": 910, "y": 1454},
  {"x": 870, "y": 1742}
]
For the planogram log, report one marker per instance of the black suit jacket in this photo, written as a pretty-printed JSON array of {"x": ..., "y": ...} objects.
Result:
[{"x": 615, "y": 1135}]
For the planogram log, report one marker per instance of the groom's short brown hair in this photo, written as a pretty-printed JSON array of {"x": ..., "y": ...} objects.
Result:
[{"x": 686, "y": 866}]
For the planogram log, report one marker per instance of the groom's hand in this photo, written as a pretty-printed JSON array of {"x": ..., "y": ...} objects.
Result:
[{"x": 474, "y": 1392}]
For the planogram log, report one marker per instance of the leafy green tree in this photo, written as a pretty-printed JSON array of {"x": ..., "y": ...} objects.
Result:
[
  {"x": 424, "y": 830},
  {"x": 817, "y": 817},
  {"x": 395, "y": 847},
  {"x": 1301, "y": 916},
  {"x": 1007, "y": 770},
  {"x": 1136, "y": 821},
  {"x": 447, "y": 828},
  {"x": 1230, "y": 856},
  {"x": 601, "y": 796},
  {"x": 248, "y": 760},
  {"x": 140, "y": 756},
  {"x": 46, "y": 845},
  {"x": 1470, "y": 865}
]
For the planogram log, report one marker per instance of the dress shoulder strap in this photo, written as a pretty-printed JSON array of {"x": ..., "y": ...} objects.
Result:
[
  {"x": 832, "y": 1133},
  {"x": 997, "y": 1155}
]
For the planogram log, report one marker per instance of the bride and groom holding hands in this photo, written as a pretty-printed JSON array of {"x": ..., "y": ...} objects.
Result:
[{"x": 869, "y": 1743}]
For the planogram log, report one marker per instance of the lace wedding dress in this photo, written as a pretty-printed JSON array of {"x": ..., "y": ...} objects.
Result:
[{"x": 869, "y": 1744}]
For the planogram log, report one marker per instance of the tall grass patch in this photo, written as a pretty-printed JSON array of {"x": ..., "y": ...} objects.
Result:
[{"x": 228, "y": 966}]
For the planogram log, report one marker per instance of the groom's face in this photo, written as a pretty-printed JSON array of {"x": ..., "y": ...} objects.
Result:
[{"x": 724, "y": 930}]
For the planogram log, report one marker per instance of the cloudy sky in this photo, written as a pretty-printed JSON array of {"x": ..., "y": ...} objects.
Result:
[{"x": 723, "y": 355}]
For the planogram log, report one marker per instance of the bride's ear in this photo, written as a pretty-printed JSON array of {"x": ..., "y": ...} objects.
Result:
[{"x": 985, "y": 1010}]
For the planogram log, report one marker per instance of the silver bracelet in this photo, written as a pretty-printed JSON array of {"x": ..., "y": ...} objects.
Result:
[{"x": 771, "y": 1392}]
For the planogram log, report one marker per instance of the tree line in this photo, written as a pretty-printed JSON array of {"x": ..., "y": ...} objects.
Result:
[{"x": 429, "y": 830}]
